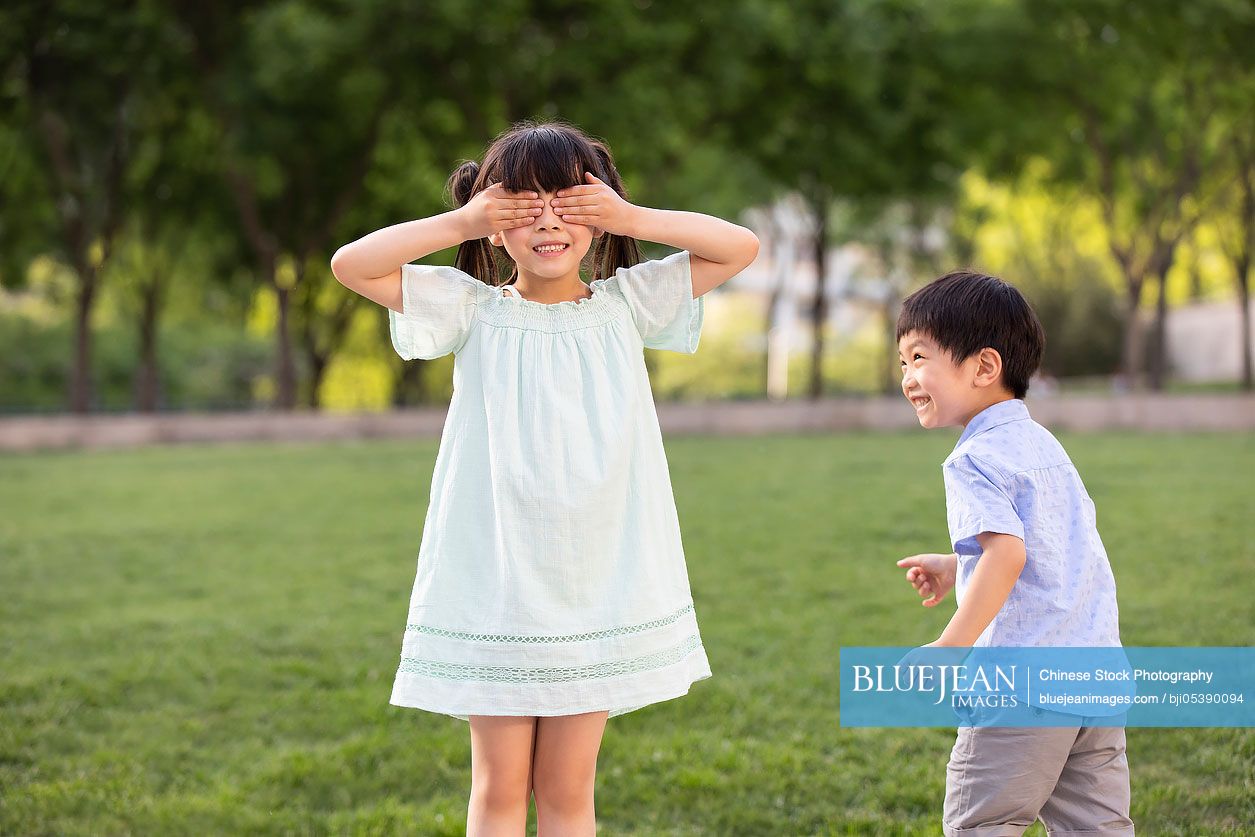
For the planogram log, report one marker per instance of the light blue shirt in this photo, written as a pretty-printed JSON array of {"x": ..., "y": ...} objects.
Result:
[{"x": 1009, "y": 475}]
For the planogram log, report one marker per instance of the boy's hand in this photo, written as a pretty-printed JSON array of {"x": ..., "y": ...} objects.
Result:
[
  {"x": 594, "y": 205},
  {"x": 931, "y": 574},
  {"x": 494, "y": 209}
]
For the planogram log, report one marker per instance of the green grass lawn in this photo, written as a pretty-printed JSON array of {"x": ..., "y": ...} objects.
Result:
[{"x": 201, "y": 640}]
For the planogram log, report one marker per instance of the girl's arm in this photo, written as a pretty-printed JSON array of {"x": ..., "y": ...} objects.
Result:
[
  {"x": 718, "y": 249},
  {"x": 371, "y": 265}
]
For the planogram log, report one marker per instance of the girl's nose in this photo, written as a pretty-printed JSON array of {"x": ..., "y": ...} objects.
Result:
[{"x": 547, "y": 217}]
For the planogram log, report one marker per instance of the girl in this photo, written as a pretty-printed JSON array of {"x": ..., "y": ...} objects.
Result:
[{"x": 552, "y": 591}]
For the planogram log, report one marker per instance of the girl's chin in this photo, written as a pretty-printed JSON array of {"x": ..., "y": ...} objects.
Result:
[{"x": 551, "y": 268}]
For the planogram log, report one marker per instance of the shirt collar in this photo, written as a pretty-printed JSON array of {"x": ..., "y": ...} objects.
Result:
[{"x": 1003, "y": 412}]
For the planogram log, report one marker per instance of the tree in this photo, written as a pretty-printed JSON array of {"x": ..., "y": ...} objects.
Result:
[
  {"x": 299, "y": 92},
  {"x": 82, "y": 74},
  {"x": 1236, "y": 224},
  {"x": 1131, "y": 93},
  {"x": 174, "y": 213},
  {"x": 855, "y": 103},
  {"x": 1234, "y": 179}
]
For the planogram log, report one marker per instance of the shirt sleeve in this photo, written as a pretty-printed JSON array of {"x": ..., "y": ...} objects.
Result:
[
  {"x": 439, "y": 311},
  {"x": 660, "y": 296},
  {"x": 977, "y": 501}
]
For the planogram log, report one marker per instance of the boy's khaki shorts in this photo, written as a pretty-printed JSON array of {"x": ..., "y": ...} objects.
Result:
[{"x": 1001, "y": 779}]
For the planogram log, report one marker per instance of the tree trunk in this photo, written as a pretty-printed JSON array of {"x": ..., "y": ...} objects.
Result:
[
  {"x": 1158, "y": 356},
  {"x": 318, "y": 364},
  {"x": 408, "y": 388},
  {"x": 321, "y": 334},
  {"x": 81, "y": 390},
  {"x": 1131, "y": 353},
  {"x": 893, "y": 374},
  {"x": 1242, "y": 260},
  {"x": 285, "y": 368},
  {"x": 819, "y": 309},
  {"x": 1160, "y": 266},
  {"x": 147, "y": 374},
  {"x": 1244, "y": 300}
]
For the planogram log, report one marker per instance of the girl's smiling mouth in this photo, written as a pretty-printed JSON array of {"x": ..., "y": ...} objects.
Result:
[{"x": 550, "y": 248}]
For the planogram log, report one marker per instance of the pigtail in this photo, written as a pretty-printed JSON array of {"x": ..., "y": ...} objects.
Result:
[
  {"x": 461, "y": 184},
  {"x": 475, "y": 256},
  {"x": 612, "y": 251}
]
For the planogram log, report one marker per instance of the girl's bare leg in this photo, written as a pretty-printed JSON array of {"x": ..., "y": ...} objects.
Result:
[
  {"x": 564, "y": 769},
  {"x": 501, "y": 775}
]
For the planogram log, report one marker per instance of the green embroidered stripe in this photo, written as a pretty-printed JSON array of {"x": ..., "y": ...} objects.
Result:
[
  {"x": 608, "y": 632},
  {"x": 517, "y": 674}
]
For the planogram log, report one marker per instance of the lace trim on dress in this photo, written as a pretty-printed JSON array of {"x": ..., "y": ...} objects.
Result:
[
  {"x": 560, "y": 674},
  {"x": 620, "y": 630}
]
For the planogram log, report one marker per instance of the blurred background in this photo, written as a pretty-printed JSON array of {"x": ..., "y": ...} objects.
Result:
[{"x": 176, "y": 176}]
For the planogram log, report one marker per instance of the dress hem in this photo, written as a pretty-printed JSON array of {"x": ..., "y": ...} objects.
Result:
[{"x": 408, "y": 700}]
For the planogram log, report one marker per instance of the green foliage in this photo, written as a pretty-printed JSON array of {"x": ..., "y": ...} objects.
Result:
[
  {"x": 729, "y": 362},
  {"x": 279, "y": 130},
  {"x": 1082, "y": 318},
  {"x": 1048, "y": 241},
  {"x": 204, "y": 365}
]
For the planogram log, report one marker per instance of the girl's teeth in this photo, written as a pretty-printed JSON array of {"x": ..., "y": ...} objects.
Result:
[{"x": 551, "y": 248}]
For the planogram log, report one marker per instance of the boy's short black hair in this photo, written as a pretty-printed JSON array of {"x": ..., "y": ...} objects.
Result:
[{"x": 965, "y": 311}]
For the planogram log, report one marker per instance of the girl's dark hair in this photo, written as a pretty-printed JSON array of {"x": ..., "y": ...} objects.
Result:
[
  {"x": 545, "y": 157},
  {"x": 965, "y": 311}
]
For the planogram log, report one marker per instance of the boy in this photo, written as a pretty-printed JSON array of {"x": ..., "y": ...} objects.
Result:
[{"x": 1028, "y": 566}]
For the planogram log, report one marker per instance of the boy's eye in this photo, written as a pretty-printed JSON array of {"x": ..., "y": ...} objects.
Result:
[{"x": 918, "y": 357}]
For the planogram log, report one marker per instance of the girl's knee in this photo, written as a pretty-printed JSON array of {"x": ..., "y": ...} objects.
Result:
[
  {"x": 562, "y": 794},
  {"x": 500, "y": 794}
]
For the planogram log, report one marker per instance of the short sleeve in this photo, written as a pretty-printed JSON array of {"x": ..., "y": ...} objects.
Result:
[
  {"x": 660, "y": 296},
  {"x": 439, "y": 310},
  {"x": 977, "y": 501}
]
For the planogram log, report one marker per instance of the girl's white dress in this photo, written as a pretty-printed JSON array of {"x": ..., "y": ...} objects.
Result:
[{"x": 551, "y": 577}]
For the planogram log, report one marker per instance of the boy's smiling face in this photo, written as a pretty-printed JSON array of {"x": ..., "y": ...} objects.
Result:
[{"x": 946, "y": 393}]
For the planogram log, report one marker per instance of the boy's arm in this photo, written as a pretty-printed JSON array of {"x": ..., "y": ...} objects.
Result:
[{"x": 1000, "y": 564}]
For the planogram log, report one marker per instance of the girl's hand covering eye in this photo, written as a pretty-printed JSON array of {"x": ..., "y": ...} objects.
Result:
[
  {"x": 494, "y": 209},
  {"x": 594, "y": 204}
]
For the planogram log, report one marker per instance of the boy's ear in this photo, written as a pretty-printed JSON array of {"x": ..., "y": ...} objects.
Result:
[{"x": 988, "y": 368}]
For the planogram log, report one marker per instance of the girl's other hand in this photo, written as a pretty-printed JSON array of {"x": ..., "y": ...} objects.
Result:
[
  {"x": 494, "y": 209},
  {"x": 594, "y": 204},
  {"x": 931, "y": 575}
]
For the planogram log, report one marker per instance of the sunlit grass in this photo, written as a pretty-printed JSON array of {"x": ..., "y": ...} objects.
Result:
[{"x": 201, "y": 640}]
